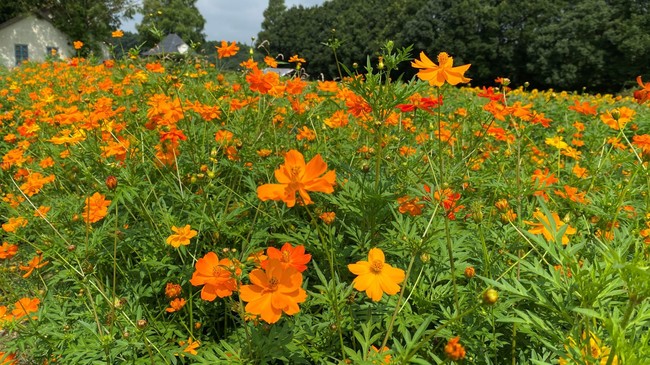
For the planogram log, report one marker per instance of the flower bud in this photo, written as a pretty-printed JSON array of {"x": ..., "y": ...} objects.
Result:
[
  {"x": 490, "y": 296},
  {"x": 470, "y": 272},
  {"x": 141, "y": 323},
  {"x": 111, "y": 182}
]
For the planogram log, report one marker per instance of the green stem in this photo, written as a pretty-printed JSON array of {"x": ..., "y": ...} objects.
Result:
[
  {"x": 334, "y": 297},
  {"x": 389, "y": 330},
  {"x": 114, "y": 266}
]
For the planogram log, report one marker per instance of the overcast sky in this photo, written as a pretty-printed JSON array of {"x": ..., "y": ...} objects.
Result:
[{"x": 231, "y": 20}]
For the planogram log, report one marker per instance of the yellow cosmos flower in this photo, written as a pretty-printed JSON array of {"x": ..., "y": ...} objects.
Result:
[
  {"x": 443, "y": 72},
  {"x": 181, "y": 237},
  {"x": 375, "y": 276},
  {"x": 543, "y": 227}
]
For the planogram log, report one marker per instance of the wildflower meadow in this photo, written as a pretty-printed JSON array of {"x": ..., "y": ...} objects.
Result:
[{"x": 168, "y": 212}]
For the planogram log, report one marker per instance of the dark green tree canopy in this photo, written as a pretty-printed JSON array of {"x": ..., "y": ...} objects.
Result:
[
  {"x": 162, "y": 17},
  {"x": 272, "y": 16},
  {"x": 565, "y": 44}
]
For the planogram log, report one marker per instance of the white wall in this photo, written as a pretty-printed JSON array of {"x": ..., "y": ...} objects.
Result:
[{"x": 38, "y": 34}]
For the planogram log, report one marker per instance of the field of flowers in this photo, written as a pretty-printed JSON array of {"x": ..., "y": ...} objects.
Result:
[{"x": 159, "y": 212}]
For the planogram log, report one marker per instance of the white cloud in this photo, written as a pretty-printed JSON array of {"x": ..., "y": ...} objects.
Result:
[{"x": 231, "y": 20}]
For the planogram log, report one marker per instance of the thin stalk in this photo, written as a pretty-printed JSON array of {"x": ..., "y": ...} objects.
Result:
[
  {"x": 389, "y": 330},
  {"x": 114, "y": 266},
  {"x": 441, "y": 166},
  {"x": 334, "y": 296}
]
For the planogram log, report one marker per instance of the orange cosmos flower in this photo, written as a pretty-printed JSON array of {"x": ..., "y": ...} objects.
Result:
[
  {"x": 409, "y": 205},
  {"x": 35, "y": 263},
  {"x": 191, "y": 347},
  {"x": 375, "y": 276},
  {"x": 572, "y": 194},
  {"x": 273, "y": 291},
  {"x": 257, "y": 258},
  {"x": 96, "y": 208},
  {"x": 270, "y": 61},
  {"x": 294, "y": 176},
  {"x": 7, "y": 359},
  {"x": 543, "y": 178},
  {"x": 618, "y": 118},
  {"x": 584, "y": 108},
  {"x": 449, "y": 201},
  {"x": 642, "y": 95},
  {"x": 215, "y": 275},
  {"x": 327, "y": 217},
  {"x": 454, "y": 350},
  {"x": 24, "y": 307},
  {"x": 338, "y": 119},
  {"x": 175, "y": 305},
  {"x": 643, "y": 142},
  {"x": 8, "y": 251},
  {"x": 181, "y": 237},
  {"x": 172, "y": 290},
  {"x": 544, "y": 227},
  {"x": 117, "y": 34},
  {"x": 580, "y": 172},
  {"x": 13, "y": 224},
  {"x": 77, "y": 44},
  {"x": 42, "y": 211},
  {"x": 295, "y": 58},
  {"x": 288, "y": 256},
  {"x": 227, "y": 50},
  {"x": 376, "y": 355},
  {"x": 443, "y": 72},
  {"x": 262, "y": 82}
]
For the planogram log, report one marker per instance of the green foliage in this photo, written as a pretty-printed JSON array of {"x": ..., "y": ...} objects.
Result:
[
  {"x": 569, "y": 45},
  {"x": 471, "y": 206},
  {"x": 163, "y": 17}
]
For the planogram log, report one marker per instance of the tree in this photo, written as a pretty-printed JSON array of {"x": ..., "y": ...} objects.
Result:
[
  {"x": 162, "y": 17},
  {"x": 272, "y": 16}
]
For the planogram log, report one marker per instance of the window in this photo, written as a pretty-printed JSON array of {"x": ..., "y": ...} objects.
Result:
[
  {"x": 51, "y": 52},
  {"x": 21, "y": 53}
]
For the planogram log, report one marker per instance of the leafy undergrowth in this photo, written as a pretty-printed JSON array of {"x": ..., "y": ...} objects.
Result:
[{"x": 163, "y": 213}]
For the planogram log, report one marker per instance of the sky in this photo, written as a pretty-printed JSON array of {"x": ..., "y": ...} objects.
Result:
[{"x": 230, "y": 20}]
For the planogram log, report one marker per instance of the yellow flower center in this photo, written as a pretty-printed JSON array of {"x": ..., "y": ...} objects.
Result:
[
  {"x": 273, "y": 283},
  {"x": 442, "y": 58},
  {"x": 285, "y": 256},
  {"x": 295, "y": 173},
  {"x": 376, "y": 266}
]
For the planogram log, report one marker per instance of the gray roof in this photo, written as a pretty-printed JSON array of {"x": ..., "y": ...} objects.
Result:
[
  {"x": 279, "y": 71},
  {"x": 169, "y": 44},
  {"x": 16, "y": 19}
]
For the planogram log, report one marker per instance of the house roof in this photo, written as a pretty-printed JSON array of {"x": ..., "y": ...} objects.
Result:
[
  {"x": 16, "y": 19},
  {"x": 279, "y": 71},
  {"x": 172, "y": 43}
]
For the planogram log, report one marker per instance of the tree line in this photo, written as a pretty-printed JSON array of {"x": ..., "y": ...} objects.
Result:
[{"x": 600, "y": 45}]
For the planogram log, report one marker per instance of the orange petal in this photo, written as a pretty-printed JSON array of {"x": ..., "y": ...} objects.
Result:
[
  {"x": 360, "y": 268},
  {"x": 314, "y": 168},
  {"x": 271, "y": 192},
  {"x": 376, "y": 254}
]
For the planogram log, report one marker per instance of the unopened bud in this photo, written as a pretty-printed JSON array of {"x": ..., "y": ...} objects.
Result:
[
  {"x": 111, "y": 182},
  {"x": 490, "y": 296},
  {"x": 141, "y": 323}
]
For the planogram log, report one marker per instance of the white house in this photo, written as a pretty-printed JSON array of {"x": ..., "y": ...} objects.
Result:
[{"x": 31, "y": 37}]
